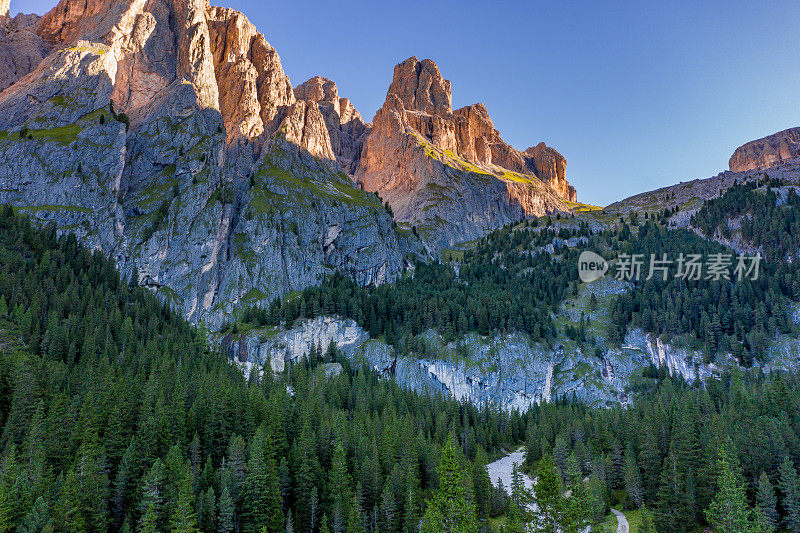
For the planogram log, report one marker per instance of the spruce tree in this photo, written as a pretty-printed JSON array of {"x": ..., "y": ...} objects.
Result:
[
  {"x": 789, "y": 485},
  {"x": 549, "y": 496},
  {"x": 225, "y": 523},
  {"x": 182, "y": 518},
  {"x": 767, "y": 502},
  {"x": 451, "y": 508},
  {"x": 83, "y": 502},
  {"x": 729, "y": 512},
  {"x": 577, "y": 508},
  {"x": 262, "y": 498},
  {"x": 633, "y": 478}
]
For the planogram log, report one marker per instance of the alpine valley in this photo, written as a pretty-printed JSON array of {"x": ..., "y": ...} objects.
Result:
[{"x": 265, "y": 232}]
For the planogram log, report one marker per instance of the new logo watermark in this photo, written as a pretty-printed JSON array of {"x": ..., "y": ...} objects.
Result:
[
  {"x": 591, "y": 266},
  {"x": 693, "y": 267}
]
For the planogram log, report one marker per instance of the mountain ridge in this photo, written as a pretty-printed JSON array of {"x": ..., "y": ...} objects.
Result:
[{"x": 167, "y": 135}]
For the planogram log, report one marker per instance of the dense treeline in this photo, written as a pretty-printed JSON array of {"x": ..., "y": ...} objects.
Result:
[
  {"x": 505, "y": 284},
  {"x": 681, "y": 451},
  {"x": 734, "y": 316},
  {"x": 116, "y": 416},
  {"x": 509, "y": 282},
  {"x": 767, "y": 219}
]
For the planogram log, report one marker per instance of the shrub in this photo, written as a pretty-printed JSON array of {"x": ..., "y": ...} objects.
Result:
[{"x": 122, "y": 117}]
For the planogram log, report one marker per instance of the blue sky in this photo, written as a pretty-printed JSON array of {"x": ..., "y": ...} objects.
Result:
[{"x": 636, "y": 95}]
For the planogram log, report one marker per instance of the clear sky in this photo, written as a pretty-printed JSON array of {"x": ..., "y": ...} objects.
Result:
[{"x": 636, "y": 95}]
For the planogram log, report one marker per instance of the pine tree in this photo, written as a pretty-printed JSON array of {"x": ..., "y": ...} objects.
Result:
[
  {"x": 521, "y": 498},
  {"x": 208, "y": 511},
  {"x": 149, "y": 522},
  {"x": 668, "y": 512},
  {"x": 83, "y": 503},
  {"x": 767, "y": 502},
  {"x": 225, "y": 523},
  {"x": 153, "y": 493},
  {"x": 577, "y": 510},
  {"x": 11, "y": 499},
  {"x": 549, "y": 496},
  {"x": 633, "y": 478},
  {"x": 262, "y": 497},
  {"x": 339, "y": 486},
  {"x": 451, "y": 508},
  {"x": 481, "y": 483},
  {"x": 646, "y": 524},
  {"x": 306, "y": 477},
  {"x": 323, "y": 528},
  {"x": 354, "y": 521},
  {"x": 388, "y": 508},
  {"x": 789, "y": 485},
  {"x": 729, "y": 512},
  {"x": 182, "y": 518},
  {"x": 596, "y": 499}
]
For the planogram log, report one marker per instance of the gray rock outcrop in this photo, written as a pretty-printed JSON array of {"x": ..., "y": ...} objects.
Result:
[{"x": 166, "y": 134}]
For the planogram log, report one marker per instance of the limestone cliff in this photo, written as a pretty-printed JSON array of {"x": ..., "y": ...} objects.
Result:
[
  {"x": 21, "y": 49},
  {"x": 166, "y": 134},
  {"x": 345, "y": 129},
  {"x": 449, "y": 172},
  {"x": 767, "y": 152}
]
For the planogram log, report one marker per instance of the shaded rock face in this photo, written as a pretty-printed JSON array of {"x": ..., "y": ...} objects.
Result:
[
  {"x": 21, "y": 49},
  {"x": 767, "y": 152},
  {"x": 217, "y": 185},
  {"x": 449, "y": 171},
  {"x": 344, "y": 128}
]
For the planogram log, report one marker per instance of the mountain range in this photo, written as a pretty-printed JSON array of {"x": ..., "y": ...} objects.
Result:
[{"x": 166, "y": 134}]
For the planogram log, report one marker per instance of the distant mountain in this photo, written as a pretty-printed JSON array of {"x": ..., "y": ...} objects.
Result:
[
  {"x": 167, "y": 134},
  {"x": 767, "y": 152}
]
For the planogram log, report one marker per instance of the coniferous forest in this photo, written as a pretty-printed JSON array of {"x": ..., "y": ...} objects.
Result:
[{"x": 117, "y": 415}]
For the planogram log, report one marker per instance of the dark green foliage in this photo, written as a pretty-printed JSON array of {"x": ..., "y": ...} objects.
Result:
[
  {"x": 673, "y": 436},
  {"x": 737, "y": 316},
  {"x": 116, "y": 415},
  {"x": 501, "y": 286},
  {"x": 119, "y": 117}
]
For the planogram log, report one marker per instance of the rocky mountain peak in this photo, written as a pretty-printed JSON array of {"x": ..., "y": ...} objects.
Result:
[
  {"x": 341, "y": 128},
  {"x": 766, "y": 152},
  {"x": 421, "y": 152},
  {"x": 167, "y": 134},
  {"x": 551, "y": 166},
  {"x": 420, "y": 86},
  {"x": 318, "y": 90}
]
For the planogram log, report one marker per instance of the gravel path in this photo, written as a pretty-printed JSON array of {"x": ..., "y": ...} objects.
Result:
[
  {"x": 622, "y": 522},
  {"x": 503, "y": 468}
]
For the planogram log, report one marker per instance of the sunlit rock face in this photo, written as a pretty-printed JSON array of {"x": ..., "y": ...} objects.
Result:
[
  {"x": 767, "y": 152},
  {"x": 449, "y": 172},
  {"x": 166, "y": 133}
]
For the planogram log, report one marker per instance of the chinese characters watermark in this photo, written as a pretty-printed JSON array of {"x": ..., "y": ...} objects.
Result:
[{"x": 692, "y": 267}]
